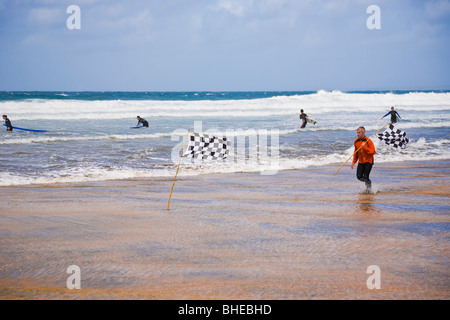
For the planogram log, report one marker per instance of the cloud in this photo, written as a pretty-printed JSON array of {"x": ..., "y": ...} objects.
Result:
[
  {"x": 437, "y": 9},
  {"x": 171, "y": 44},
  {"x": 116, "y": 17},
  {"x": 45, "y": 16},
  {"x": 235, "y": 7}
]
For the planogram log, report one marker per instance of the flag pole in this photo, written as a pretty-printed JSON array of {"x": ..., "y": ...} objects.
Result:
[
  {"x": 358, "y": 149},
  {"x": 178, "y": 168}
]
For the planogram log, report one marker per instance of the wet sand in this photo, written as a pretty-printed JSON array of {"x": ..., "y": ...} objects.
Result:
[{"x": 300, "y": 234}]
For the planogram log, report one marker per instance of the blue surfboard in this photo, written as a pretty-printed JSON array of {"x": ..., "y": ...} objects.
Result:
[
  {"x": 23, "y": 129},
  {"x": 136, "y": 127}
]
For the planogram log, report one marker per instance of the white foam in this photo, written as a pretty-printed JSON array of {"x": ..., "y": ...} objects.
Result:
[
  {"x": 85, "y": 174},
  {"x": 263, "y": 165},
  {"x": 46, "y": 139},
  {"x": 317, "y": 103},
  {"x": 332, "y": 105}
]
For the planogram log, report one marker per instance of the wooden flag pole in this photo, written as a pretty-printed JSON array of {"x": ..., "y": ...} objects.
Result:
[
  {"x": 359, "y": 148},
  {"x": 178, "y": 168}
]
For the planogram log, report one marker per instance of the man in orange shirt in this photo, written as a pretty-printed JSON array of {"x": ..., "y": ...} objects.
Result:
[{"x": 364, "y": 152}]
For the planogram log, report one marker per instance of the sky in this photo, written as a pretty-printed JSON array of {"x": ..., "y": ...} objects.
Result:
[{"x": 224, "y": 45}]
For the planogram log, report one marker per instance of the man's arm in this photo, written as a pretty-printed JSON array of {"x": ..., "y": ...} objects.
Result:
[
  {"x": 385, "y": 115},
  {"x": 355, "y": 158},
  {"x": 369, "y": 147}
]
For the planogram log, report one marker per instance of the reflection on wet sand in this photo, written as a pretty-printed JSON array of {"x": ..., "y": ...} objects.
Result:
[
  {"x": 366, "y": 204},
  {"x": 241, "y": 236}
]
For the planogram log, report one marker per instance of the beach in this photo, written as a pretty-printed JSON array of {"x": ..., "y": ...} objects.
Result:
[
  {"x": 298, "y": 234},
  {"x": 252, "y": 107}
]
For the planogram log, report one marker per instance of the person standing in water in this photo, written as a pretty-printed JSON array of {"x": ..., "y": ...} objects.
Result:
[
  {"x": 303, "y": 117},
  {"x": 364, "y": 152},
  {"x": 9, "y": 127},
  {"x": 143, "y": 121},
  {"x": 394, "y": 114}
]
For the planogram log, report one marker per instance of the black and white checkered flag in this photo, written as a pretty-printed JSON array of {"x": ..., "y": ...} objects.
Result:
[
  {"x": 206, "y": 147},
  {"x": 394, "y": 137}
]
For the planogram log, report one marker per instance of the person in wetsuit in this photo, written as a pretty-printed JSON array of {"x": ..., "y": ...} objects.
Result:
[
  {"x": 9, "y": 127},
  {"x": 394, "y": 114},
  {"x": 364, "y": 152},
  {"x": 143, "y": 121},
  {"x": 303, "y": 117}
]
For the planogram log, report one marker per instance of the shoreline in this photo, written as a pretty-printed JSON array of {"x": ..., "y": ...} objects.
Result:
[
  {"x": 328, "y": 167},
  {"x": 300, "y": 234}
]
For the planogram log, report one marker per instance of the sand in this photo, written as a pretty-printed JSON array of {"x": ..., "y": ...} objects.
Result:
[{"x": 299, "y": 234}]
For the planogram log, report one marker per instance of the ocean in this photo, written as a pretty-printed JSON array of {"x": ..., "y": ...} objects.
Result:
[{"x": 89, "y": 136}]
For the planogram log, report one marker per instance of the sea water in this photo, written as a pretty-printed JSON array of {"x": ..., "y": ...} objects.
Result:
[{"x": 89, "y": 136}]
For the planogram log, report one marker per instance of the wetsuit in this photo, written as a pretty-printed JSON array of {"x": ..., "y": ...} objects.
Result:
[
  {"x": 8, "y": 125},
  {"x": 394, "y": 115},
  {"x": 364, "y": 157},
  {"x": 143, "y": 121},
  {"x": 303, "y": 117}
]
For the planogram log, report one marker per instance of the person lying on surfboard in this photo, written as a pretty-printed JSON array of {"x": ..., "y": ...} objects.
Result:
[
  {"x": 143, "y": 121},
  {"x": 9, "y": 127},
  {"x": 394, "y": 114},
  {"x": 303, "y": 117}
]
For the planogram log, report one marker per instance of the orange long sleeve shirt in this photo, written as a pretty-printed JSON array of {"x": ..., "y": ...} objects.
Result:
[{"x": 366, "y": 153}]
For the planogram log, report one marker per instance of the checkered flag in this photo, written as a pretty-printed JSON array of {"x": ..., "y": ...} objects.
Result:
[
  {"x": 394, "y": 137},
  {"x": 206, "y": 147}
]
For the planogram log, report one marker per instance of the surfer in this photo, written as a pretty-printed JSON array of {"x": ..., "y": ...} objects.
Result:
[
  {"x": 364, "y": 152},
  {"x": 143, "y": 121},
  {"x": 394, "y": 114},
  {"x": 9, "y": 127},
  {"x": 303, "y": 117}
]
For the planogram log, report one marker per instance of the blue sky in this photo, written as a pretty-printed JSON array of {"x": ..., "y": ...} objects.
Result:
[{"x": 224, "y": 45}]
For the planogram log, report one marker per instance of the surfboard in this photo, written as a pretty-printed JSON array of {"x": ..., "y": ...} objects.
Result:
[
  {"x": 136, "y": 127},
  {"x": 311, "y": 120},
  {"x": 23, "y": 129}
]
